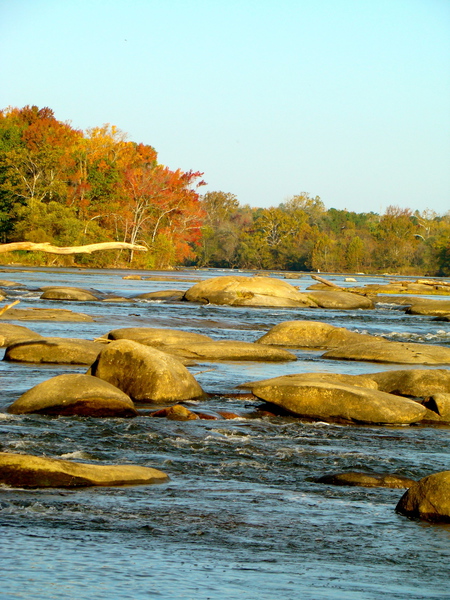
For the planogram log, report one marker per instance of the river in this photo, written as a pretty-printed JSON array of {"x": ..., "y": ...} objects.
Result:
[{"x": 241, "y": 516}]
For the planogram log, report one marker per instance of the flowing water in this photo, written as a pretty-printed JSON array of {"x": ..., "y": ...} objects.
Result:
[{"x": 241, "y": 516}]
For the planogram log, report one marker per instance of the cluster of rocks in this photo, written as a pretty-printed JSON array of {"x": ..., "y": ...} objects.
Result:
[{"x": 134, "y": 367}]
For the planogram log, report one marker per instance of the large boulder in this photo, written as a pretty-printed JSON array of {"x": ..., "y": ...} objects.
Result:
[
  {"x": 228, "y": 350},
  {"x": 27, "y": 471},
  {"x": 376, "y": 350},
  {"x": 152, "y": 336},
  {"x": 340, "y": 300},
  {"x": 145, "y": 373},
  {"x": 74, "y": 394},
  {"x": 310, "y": 334},
  {"x": 12, "y": 334},
  {"x": 247, "y": 291},
  {"x": 69, "y": 293},
  {"x": 325, "y": 400},
  {"x": 352, "y": 478},
  {"x": 413, "y": 382},
  {"x": 428, "y": 499},
  {"x": 64, "y": 351}
]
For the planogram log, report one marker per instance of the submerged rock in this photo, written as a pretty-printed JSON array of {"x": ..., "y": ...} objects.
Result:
[
  {"x": 237, "y": 290},
  {"x": 326, "y": 400},
  {"x": 145, "y": 373},
  {"x": 54, "y": 350},
  {"x": 28, "y": 471},
  {"x": 74, "y": 394},
  {"x": 176, "y": 413},
  {"x": 367, "y": 480},
  {"x": 428, "y": 499}
]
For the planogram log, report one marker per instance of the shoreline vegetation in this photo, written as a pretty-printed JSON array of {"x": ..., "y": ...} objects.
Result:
[{"x": 65, "y": 187}]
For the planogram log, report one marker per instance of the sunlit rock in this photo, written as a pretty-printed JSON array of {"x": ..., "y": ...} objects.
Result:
[
  {"x": 247, "y": 291},
  {"x": 340, "y": 300},
  {"x": 326, "y": 400},
  {"x": 13, "y": 334},
  {"x": 428, "y": 499},
  {"x": 54, "y": 350},
  {"x": 75, "y": 394},
  {"x": 68, "y": 293},
  {"x": 391, "y": 352},
  {"x": 413, "y": 382},
  {"x": 145, "y": 373},
  {"x": 152, "y": 336},
  {"x": 27, "y": 471},
  {"x": 228, "y": 350},
  {"x": 310, "y": 334}
]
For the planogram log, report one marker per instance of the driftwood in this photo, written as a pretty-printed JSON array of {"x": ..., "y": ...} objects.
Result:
[
  {"x": 47, "y": 247},
  {"x": 8, "y": 306},
  {"x": 326, "y": 282}
]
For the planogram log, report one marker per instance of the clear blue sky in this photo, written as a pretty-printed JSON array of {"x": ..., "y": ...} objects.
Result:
[{"x": 348, "y": 100}]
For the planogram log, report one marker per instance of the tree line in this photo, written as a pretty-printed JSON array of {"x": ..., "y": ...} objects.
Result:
[{"x": 71, "y": 187}]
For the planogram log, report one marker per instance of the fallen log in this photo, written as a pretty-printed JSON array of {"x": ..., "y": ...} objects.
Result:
[
  {"x": 326, "y": 282},
  {"x": 87, "y": 249}
]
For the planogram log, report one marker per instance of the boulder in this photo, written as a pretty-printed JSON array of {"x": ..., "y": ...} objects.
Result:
[
  {"x": 428, "y": 499},
  {"x": 12, "y": 334},
  {"x": 162, "y": 295},
  {"x": 228, "y": 350},
  {"x": 310, "y": 334},
  {"x": 367, "y": 480},
  {"x": 418, "y": 383},
  {"x": 74, "y": 394},
  {"x": 27, "y": 471},
  {"x": 178, "y": 412},
  {"x": 430, "y": 307},
  {"x": 44, "y": 314},
  {"x": 237, "y": 290},
  {"x": 300, "y": 378},
  {"x": 152, "y": 336},
  {"x": 376, "y": 350},
  {"x": 68, "y": 293},
  {"x": 340, "y": 300},
  {"x": 325, "y": 400},
  {"x": 145, "y": 373},
  {"x": 55, "y": 350}
]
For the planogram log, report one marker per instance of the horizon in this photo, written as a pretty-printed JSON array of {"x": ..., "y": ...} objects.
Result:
[{"x": 342, "y": 100}]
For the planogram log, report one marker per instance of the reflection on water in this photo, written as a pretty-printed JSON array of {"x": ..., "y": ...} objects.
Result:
[{"x": 241, "y": 516}]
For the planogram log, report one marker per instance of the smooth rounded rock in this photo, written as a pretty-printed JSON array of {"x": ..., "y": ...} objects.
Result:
[
  {"x": 228, "y": 350},
  {"x": 247, "y": 291},
  {"x": 428, "y": 499},
  {"x": 310, "y": 334},
  {"x": 68, "y": 293},
  {"x": 28, "y": 471},
  {"x": 326, "y": 400},
  {"x": 145, "y": 373},
  {"x": 63, "y": 351},
  {"x": 152, "y": 336},
  {"x": 13, "y": 334},
  {"x": 74, "y": 394},
  {"x": 340, "y": 300},
  {"x": 413, "y": 382},
  {"x": 391, "y": 352}
]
